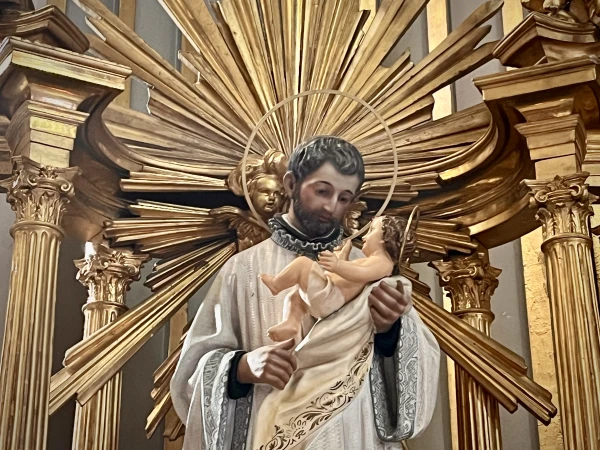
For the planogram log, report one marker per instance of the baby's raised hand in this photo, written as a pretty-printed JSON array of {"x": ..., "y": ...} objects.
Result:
[
  {"x": 329, "y": 261},
  {"x": 343, "y": 251}
]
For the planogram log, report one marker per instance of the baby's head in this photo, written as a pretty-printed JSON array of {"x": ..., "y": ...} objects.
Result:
[{"x": 393, "y": 234}]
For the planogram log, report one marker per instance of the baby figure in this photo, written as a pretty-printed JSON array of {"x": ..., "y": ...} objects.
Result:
[{"x": 325, "y": 286}]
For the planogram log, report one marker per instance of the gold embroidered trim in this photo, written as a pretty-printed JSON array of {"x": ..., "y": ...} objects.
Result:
[{"x": 323, "y": 407}]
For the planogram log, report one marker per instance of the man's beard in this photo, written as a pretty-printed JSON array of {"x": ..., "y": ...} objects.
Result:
[{"x": 310, "y": 221}]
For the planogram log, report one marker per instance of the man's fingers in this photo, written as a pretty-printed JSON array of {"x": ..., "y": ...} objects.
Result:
[
  {"x": 274, "y": 381},
  {"x": 378, "y": 297},
  {"x": 377, "y": 319},
  {"x": 382, "y": 309},
  {"x": 284, "y": 363},
  {"x": 399, "y": 287},
  {"x": 286, "y": 355},
  {"x": 278, "y": 372},
  {"x": 393, "y": 292},
  {"x": 392, "y": 300},
  {"x": 290, "y": 344}
]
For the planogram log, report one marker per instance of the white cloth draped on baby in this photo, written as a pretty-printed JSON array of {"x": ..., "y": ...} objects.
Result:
[{"x": 333, "y": 362}]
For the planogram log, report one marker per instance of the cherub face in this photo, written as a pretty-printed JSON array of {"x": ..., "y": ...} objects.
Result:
[
  {"x": 373, "y": 240},
  {"x": 267, "y": 195}
]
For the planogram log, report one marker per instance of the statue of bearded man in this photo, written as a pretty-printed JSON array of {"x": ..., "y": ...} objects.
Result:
[{"x": 228, "y": 365}]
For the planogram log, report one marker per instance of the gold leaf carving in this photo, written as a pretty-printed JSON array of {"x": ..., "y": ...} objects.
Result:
[{"x": 39, "y": 193}]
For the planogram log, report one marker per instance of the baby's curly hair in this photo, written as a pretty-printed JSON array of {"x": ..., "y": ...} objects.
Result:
[{"x": 393, "y": 235}]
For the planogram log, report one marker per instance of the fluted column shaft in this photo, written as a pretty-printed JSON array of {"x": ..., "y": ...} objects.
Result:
[
  {"x": 564, "y": 209},
  {"x": 470, "y": 282},
  {"x": 38, "y": 195},
  {"x": 107, "y": 273}
]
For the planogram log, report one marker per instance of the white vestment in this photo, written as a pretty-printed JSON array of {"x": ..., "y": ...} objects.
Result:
[{"x": 390, "y": 406}]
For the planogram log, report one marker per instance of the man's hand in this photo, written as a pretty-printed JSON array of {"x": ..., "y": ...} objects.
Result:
[
  {"x": 272, "y": 365},
  {"x": 387, "y": 305}
]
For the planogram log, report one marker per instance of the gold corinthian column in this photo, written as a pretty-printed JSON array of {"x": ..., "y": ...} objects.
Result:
[
  {"x": 564, "y": 209},
  {"x": 38, "y": 195},
  {"x": 107, "y": 273},
  {"x": 470, "y": 283}
]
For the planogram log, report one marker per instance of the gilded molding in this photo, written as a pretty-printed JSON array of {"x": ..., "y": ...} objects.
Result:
[{"x": 48, "y": 25}]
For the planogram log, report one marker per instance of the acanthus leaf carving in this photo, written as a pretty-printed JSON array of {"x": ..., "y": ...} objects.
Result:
[
  {"x": 108, "y": 273},
  {"x": 471, "y": 281},
  {"x": 564, "y": 204},
  {"x": 39, "y": 193}
]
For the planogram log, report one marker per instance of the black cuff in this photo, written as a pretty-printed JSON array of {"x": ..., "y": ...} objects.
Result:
[
  {"x": 385, "y": 343},
  {"x": 235, "y": 389}
]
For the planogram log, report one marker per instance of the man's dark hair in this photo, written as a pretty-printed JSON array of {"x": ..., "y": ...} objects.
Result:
[{"x": 312, "y": 154}]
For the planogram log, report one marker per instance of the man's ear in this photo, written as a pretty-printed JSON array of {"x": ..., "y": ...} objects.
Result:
[{"x": 289, "y": 182}]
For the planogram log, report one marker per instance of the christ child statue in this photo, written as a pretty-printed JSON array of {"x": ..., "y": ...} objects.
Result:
[{"x": 325, "y": 286}]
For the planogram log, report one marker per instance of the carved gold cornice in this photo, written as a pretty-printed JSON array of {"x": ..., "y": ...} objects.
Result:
[
  {"x": 16, "y": 53},
  {"x": 47, "y": 25},
  {"x": 544, "y": 39},
  {"x": 548, "y": 78}
]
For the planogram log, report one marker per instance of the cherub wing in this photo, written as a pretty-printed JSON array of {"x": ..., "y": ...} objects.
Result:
[{"x": 235, "y": 217}]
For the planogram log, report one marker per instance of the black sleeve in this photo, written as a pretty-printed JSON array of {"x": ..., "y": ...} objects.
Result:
[
  {"x": 235, "y": 389},
  {"x": 385, "y": 343}
]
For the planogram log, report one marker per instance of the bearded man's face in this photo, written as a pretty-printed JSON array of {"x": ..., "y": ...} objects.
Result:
[{"x": 322, "y": 199}]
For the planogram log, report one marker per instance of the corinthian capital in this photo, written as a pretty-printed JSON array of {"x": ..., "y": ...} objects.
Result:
[
  {"x": 564, "y": 204},
  {"x": 39, "y": 193},
  {"x": 471, "y": 281},
  {"x": 108, "y": 273}
]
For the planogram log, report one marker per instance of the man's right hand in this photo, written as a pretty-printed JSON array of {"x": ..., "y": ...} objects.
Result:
[{"x": 272, "y": 365}]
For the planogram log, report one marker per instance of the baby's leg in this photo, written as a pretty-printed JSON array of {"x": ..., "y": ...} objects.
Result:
[
  {"x": 294, "y": 273},
  {"x": 294, "y": 311}
]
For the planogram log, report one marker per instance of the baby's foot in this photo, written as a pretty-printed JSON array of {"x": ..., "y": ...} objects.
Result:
[
  {"x": 269, "y": 281},
  {"x": 284, "y": 331}
]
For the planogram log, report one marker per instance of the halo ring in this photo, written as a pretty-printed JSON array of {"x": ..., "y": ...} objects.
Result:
[{"x": 305, "y": 94}]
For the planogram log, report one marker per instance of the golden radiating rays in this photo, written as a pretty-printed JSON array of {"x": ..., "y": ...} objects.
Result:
[{"x": 249, "y": 56}]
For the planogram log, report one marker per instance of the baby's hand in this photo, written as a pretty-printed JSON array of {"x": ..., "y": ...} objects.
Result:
[
  {"x": 329, "y": 261},
  {"x": 343, "y": 251}
]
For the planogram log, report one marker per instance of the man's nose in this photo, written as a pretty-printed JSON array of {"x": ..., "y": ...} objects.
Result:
[{"x": 329, "y": 206}]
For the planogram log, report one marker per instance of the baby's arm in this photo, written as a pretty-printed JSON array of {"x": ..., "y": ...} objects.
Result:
[{"x": 360, "y": 271}]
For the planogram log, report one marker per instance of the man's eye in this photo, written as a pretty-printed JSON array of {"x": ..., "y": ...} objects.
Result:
[{"x": 344, "y": 200}]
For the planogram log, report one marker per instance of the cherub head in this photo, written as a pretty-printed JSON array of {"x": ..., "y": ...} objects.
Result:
[
  {"x": 387, "y": 232},
  {"x": 267, "y": 194}
]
